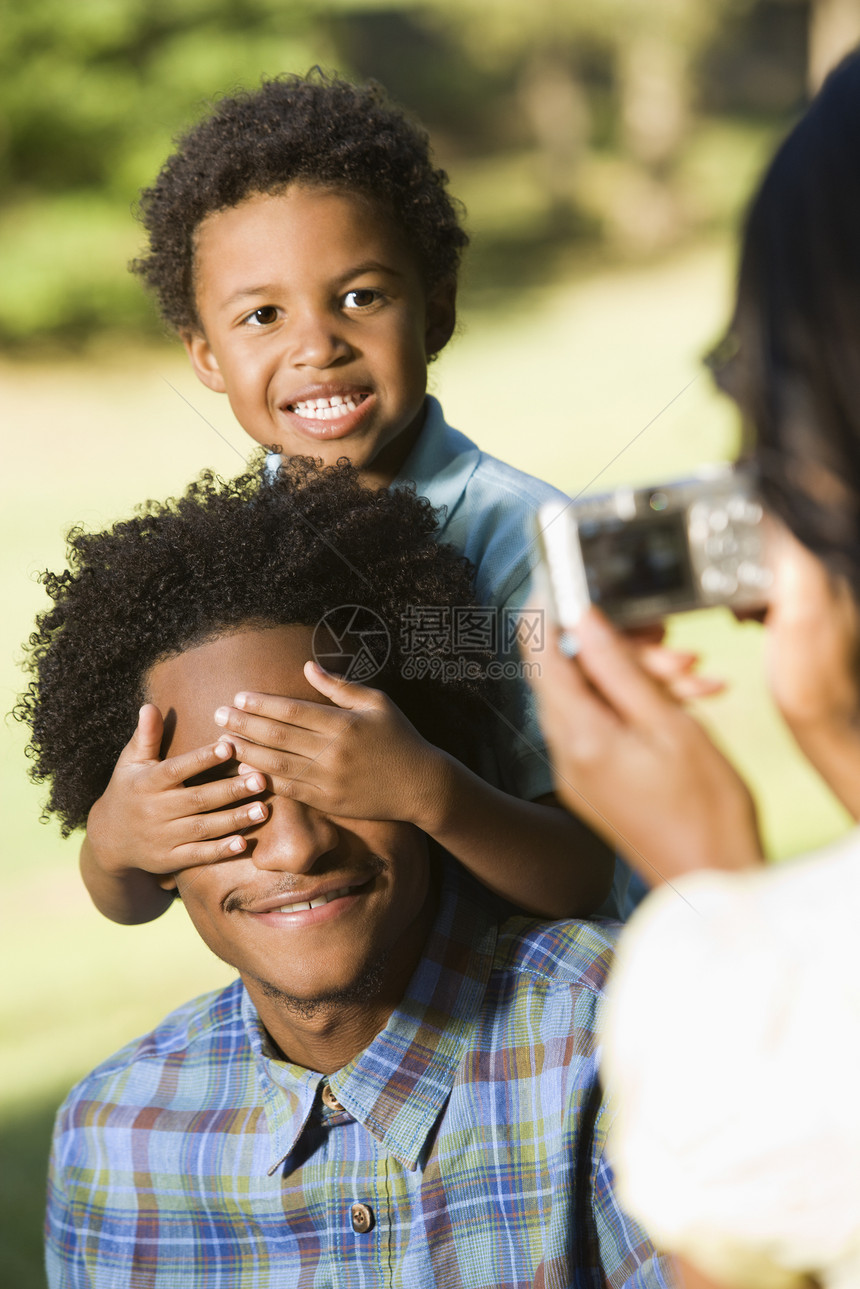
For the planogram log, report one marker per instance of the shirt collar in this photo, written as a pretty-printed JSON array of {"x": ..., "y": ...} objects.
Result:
[
  {"x": 396, "y": 1088},
  {"x": 442, "y": 461}
]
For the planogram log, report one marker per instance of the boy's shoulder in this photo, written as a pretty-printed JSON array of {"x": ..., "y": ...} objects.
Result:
[
  {"x": 445, "y": 463},
  {"x": 489, "y": 507}
]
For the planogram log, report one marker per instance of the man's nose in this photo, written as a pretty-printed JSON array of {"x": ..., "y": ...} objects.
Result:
[
  {"x": 292, "y": 838},
  {"x": 318, "y": 340}
]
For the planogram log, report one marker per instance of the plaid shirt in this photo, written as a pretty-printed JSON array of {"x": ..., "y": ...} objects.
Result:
[{"x": 463, "y": 1148}]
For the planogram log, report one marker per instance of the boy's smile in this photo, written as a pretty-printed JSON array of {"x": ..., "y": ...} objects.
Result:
[{"x": 316, "y": 324}]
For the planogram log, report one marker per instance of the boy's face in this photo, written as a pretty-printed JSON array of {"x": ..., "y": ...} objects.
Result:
[
  {"x": 317, "y": 326},
  {"x": 370, "y": 877}
]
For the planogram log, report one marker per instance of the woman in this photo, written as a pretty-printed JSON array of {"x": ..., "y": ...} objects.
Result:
[{"x": 733, "y": 1035}]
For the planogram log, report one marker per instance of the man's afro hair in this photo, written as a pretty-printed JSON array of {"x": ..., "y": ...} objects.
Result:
[
  {"x": 226, "y": 555},
  {"x": 314, "y": 130}
]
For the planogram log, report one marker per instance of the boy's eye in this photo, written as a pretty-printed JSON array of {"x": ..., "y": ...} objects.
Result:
[
  {"x": 361, "y": 298},
  {"x": 263, "y": 317}
]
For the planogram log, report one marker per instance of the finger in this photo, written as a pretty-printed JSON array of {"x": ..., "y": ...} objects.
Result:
[
  {"x": 301, "y": 789},
  {"x": 611, "y": 667},
  {"x": 218, "y": 824},
  {"x": 284, "y": 723},
  {"x": 173, "y": 772},
  {"x": 145, "y": 743},
  {"x": 344, "y": 693},
  {"x": 686, "y": 688},
  {"x": 662, "y": 663},
  {"x": 190, "y": 853},
  {"x": 570, "y": 709},
  {"x": 200, "y": 798},
  {"x": 195, "y": 854},
  {"x": 270, "y": 761}
]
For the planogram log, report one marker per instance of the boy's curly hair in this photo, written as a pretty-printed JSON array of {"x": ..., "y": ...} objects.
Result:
[
  {"x": 223, "y": 556},
  {"x": 312, "y": 130}
]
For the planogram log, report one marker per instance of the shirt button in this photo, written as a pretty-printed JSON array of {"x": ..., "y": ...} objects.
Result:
[
  {"x": 330, "y": 1099},
  {"x": 362, "y": 1218}
]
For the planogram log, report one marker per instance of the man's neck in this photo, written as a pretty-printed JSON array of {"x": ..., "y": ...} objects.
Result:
[{"x": 328, "y": 1039}]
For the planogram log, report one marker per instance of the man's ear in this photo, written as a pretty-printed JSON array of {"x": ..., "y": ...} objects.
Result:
[
  {"x": 441, "y": 317},
  {"x": 203, "y": 360}
]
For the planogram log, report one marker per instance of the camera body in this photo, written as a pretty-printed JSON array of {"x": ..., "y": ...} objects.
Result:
[{"x": 642, "y": 553}]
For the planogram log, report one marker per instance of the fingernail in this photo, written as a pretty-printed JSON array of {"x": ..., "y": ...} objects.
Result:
[
  {"x": 255, "y": 783},
  {"x": 568, "y": 644},
  {"x": 223, "y": 749},
  {"x": 236, "y": 845},
  {"x": 240, "y": 700},
  {"x": 222, "y": 716},
  {"x": 257, "y": 813}
]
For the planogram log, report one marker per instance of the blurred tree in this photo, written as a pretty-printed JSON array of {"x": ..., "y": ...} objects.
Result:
[
  {"x": 91, "y": 94},
  {"x": 652, "y": 49}
]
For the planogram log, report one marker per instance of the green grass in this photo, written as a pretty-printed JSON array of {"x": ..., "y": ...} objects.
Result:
[{"x": 591, "y": 383}]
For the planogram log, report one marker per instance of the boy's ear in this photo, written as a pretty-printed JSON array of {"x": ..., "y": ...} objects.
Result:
[
  {"x": 203, "y": 360},
  {"x": 441, "y": 317}
]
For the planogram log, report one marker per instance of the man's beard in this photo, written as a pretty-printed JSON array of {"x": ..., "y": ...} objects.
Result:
[{"x": 368, "y": 985}]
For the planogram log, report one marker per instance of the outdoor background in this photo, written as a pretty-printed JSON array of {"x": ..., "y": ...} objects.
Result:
[{"x": 604, "y": 150}]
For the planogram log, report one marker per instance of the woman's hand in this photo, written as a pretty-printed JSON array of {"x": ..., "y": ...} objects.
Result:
[{"x": 634, "y": 764}]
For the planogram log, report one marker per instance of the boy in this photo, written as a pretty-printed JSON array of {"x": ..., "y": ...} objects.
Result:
[{"x": 306, "y": 251}]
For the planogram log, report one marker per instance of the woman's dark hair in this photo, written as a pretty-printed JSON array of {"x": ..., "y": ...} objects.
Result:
[
  {"x": 314, "y": 130},
  {"x": 794, "y": 340},
  {"x": 226, "y": 555}
]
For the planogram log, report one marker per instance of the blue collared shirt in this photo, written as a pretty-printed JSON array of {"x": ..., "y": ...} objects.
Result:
[
  {"x": 463, "y": 1147},
  {"x": 488, "y": 512}
]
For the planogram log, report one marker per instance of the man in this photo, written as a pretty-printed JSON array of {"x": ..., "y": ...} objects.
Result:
[{"x": 400, "y": 1088}]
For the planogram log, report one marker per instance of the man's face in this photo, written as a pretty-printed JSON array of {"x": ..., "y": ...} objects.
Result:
[
  {"x": 368, "y": 880},
  {"x": 316, "y": 324}
]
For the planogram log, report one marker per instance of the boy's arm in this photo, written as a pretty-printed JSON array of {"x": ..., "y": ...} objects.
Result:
[
  {"x": 152, "y": 820},
  {"x": 533, "y": 853},
  {"x": 363, "y": 759},
  {"x": 129, "y": 897}
]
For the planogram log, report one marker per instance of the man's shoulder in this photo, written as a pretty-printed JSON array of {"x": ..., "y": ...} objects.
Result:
[
  {"x": 197, "y": 1034},
  {"x": 564, "y": 955}
]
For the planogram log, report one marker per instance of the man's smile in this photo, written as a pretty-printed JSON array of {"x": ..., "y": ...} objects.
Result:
[{"x": 307, "y": 897}]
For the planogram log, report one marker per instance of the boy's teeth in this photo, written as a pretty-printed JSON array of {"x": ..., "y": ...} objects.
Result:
[
  {"x": 313, "y": 904},
  {"x": 326, "y": 409}
]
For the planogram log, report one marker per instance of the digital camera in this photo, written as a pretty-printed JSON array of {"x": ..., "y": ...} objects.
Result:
[{"x": 641, "y": 553}]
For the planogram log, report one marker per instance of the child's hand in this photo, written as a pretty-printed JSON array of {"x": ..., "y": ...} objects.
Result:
[
  {"x": 359, "y": 759},
  {"x": 148, "y": 819}
]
